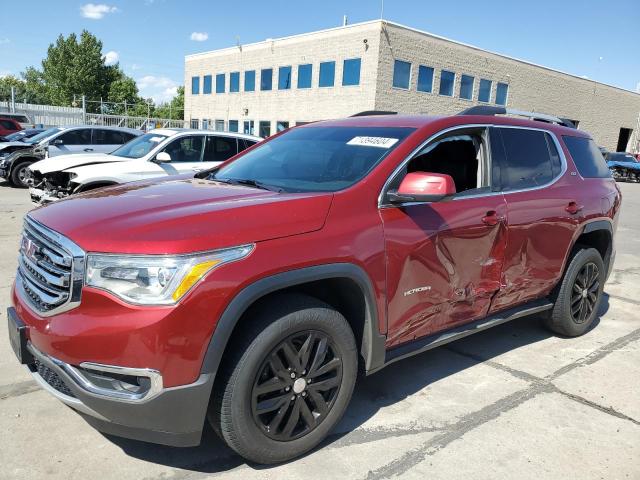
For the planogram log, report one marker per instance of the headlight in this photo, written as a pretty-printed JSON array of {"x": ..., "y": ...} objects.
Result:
[{"x": 155, "y": 279}]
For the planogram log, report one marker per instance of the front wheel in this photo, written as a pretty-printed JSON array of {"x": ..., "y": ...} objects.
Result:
[
  {"x": 579, "y": 294},
  {"x": 19, "y": 175},
  {"x": 287, "y": 382}
]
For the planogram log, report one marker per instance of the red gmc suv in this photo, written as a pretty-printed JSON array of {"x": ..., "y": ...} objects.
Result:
[{"x": 255, "y": 293}]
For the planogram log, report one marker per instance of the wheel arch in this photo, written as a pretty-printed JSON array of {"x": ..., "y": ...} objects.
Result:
[
  {"x": 84, "y": 187},
  {"x": 371, "y": 342},
  {"x": 597, "y": 234}
]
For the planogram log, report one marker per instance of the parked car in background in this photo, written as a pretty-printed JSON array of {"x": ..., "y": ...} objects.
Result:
[
  {"x": 162, "y": 152},
  {"x": 9, "y": 126},
  {"x": 7, "y": 148},
  {"x": 254, "y": 295},
  {"x": 60, "y": 141},
  {"x": 623, "y": 166},
  {"x": 24, "y": 120},
  {"x": 20, "y": 135}
]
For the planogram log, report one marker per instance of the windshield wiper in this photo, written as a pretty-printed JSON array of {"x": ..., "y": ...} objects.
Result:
[{"x": 249, "y": 183}]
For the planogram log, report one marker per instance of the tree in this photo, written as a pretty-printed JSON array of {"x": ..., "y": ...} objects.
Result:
[{"x": 173, "y": 109}]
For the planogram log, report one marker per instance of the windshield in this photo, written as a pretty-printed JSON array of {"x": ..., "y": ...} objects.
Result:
[
  {"x": 315, "y": 159},
  {"x": 41, "y": 136},
  {"x": 139, "y": 146}
]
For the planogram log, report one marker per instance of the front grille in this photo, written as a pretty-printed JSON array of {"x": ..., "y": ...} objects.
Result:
[
  {"x": 52, "y": 378},
  {"x": 46, "y": 269}
]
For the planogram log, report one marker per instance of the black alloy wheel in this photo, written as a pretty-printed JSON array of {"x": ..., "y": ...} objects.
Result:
[
  {"x": 296, "y": 386},
  {"x": 585, "y": 292}
]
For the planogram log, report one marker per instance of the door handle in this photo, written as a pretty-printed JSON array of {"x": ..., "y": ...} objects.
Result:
[
  {"x": 573, "y": 208},
  {"x": 88, "y": 149},
  {"x": 491, "y": 218}
]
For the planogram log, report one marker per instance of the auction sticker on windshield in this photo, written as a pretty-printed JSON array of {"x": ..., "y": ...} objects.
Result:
[{"x": 380, "y": 142}]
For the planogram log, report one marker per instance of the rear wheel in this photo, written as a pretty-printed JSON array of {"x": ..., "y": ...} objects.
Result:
[
  {"x": 19, "y": 175},
  {"x": 287, "y": 382},
  {"x": 579, "y": 294}
]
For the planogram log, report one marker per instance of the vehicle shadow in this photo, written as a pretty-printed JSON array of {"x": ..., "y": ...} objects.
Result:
[{"x": 387, "y": 387}]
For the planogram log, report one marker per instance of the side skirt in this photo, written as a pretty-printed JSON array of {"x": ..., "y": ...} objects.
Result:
[{"x": 432, "y": 341}]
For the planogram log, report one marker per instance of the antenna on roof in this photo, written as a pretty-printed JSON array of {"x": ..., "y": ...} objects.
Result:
[
  {"x": 345, "y": 20},
  {"x": 382, "y": 10}
]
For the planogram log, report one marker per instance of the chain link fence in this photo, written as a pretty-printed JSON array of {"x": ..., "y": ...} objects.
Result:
[{"x": 54, "y": 116}]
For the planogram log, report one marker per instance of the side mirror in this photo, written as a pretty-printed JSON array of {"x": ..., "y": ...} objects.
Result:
[
  {"x": 58, "y": 141},
  {"x": 423, "y": 187},
  {"x": 162, "y": 157}
]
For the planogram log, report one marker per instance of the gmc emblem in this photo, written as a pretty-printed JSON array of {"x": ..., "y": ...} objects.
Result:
[{"x": 29, "y": 249}]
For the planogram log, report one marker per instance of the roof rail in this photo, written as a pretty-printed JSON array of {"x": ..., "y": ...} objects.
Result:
[
  {"x": 367, "y": 113},
  {"x": 539, "y": 117}
]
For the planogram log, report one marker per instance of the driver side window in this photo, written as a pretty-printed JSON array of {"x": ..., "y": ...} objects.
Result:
[
  {"x": 461, "y": 154},
  {"x": 185, "y": 149}
]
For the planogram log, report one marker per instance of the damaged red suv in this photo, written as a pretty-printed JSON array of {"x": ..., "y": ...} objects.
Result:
[{"x": 254, "y": 294}]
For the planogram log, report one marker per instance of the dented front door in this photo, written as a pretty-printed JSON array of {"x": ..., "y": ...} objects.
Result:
[{"x": 444, "y": 263}]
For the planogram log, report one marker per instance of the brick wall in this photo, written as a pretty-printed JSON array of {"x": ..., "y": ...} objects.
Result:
[{"x": 601, "y": 110}]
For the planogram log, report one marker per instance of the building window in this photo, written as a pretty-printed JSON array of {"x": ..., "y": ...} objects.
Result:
[
  {"x": 351, "y": 72},
  {"x": 304, "y": 75},
  {"x": 195, "y": 85},
  {"x": 484, "y": 92},
  {"x": 250, "y": 81},
  {"x": 327, "y": 74},
  {"x": 401, "y": 74},
  {"x": 206, "y": 84},
  {"x": 234, "y": 82},
  {"x": 219, "y": 125},
  {"x": 264, "y": 129},
  {"x": 447, "y": 79},
  {"x": 280, "y": 126},
  {"x": 248, "y": 127},
  {"x": 266, "y": 79},
  {"x": 220, "y": 83},
  {"x": 502, "y": 91},
  {"x": 425, "y": 79},
  {"x": 205, "y": 124},
  {"x": 284, "y": 78},
  {"x": 195, "y": 123},
  {"x": 233, "y": 125},
  {"x": 466, "y": 87}
]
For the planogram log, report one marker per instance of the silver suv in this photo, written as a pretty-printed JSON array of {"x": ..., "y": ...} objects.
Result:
[{"x": 63, "y": 141}]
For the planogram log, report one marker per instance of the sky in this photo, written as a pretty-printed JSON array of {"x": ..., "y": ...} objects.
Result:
[{"x": 149, "y": 38}]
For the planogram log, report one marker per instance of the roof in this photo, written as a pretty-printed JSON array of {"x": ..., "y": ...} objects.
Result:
[
  {"x": 176, "y": 131},
  {"x": 383, "y": 22},
  {"x": 105, "y": 127},
  {"x": 441, "y": 122}
]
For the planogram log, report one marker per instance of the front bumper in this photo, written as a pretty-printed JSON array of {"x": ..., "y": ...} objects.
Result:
[
  {"x": 41, "y": 197},
  {"x": 171, "y": 416}
]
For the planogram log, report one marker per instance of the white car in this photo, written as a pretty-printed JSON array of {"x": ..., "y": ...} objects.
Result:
[{"x": 162, "y": 152}]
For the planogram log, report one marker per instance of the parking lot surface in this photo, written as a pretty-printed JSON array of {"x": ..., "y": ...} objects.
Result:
[{"x": 512, "y": 402}]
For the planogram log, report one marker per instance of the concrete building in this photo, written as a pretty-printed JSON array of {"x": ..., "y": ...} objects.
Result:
[{"x": 379, "y": 65}]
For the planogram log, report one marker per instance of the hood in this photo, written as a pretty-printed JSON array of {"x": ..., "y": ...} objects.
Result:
[
  {"x": 63, "y": 162},
  {"x": 4, "y": 145},
  {"x": 181, "y": 216}
]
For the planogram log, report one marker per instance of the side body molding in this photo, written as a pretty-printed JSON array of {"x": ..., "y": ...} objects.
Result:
[{"x": 373, "y": 343}]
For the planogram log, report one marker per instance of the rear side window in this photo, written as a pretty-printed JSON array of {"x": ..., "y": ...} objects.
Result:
[
  {"x": 109, "y": 137},
  {"x": 7, "y": 124},
  {"x": 531, "y": 156},
  {"x": 587, "y": 157},
  {"x": 219, "y": 149}
]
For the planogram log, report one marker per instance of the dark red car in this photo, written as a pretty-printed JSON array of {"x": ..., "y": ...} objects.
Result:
[
  {"x": 8, "y": 126},
  {"x": 254, "y": 294}
]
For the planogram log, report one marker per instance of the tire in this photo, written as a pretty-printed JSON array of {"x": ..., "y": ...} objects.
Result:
[
  {"x": 586, "y": 272},
  {"x": 17, "y": 175},
  {"x": 295, "y": 321}
]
